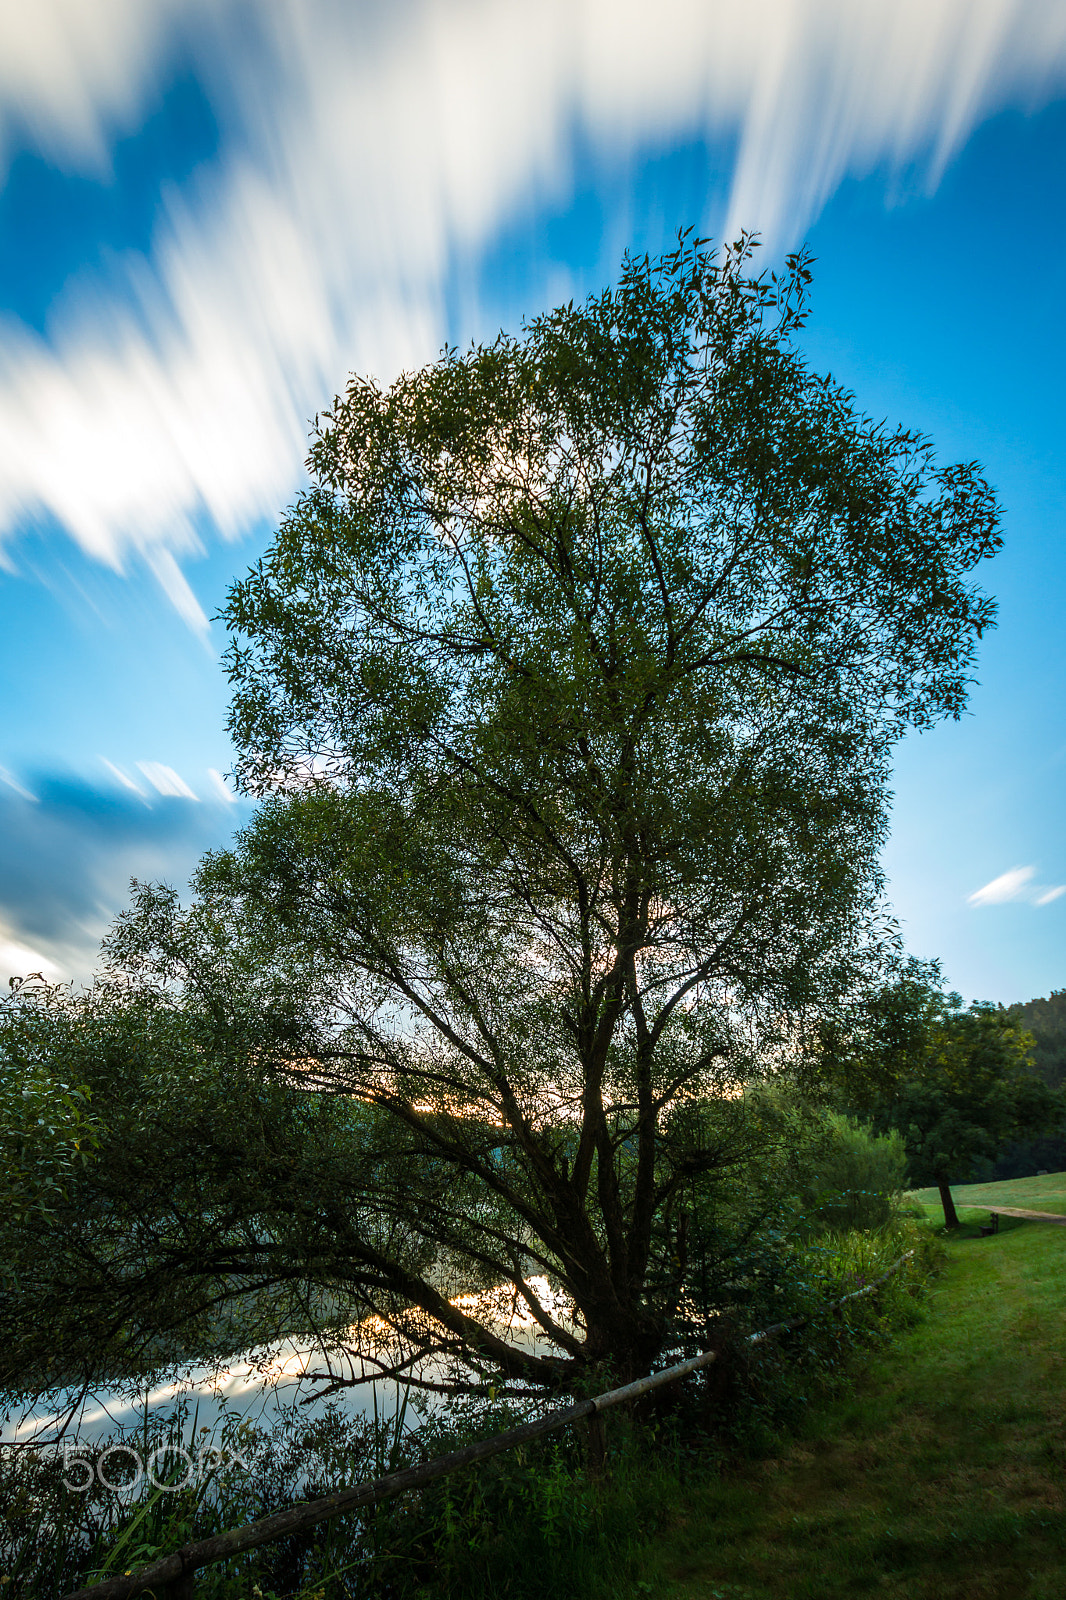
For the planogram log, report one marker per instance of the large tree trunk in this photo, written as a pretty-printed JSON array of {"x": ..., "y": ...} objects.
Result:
[{"x": 951, "y": 1216}]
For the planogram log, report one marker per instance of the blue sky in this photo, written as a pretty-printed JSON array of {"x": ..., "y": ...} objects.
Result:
[{"x": 211, "y": 212}]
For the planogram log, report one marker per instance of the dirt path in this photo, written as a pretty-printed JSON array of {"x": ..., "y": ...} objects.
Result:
[{"x": 1032, "y": 1216}]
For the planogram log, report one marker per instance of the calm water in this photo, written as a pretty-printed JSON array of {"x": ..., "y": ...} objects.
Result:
[{"x": 286, "y": 1380}]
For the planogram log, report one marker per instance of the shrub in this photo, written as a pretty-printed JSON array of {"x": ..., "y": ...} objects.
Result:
[{"x": 856, "y": 1179}]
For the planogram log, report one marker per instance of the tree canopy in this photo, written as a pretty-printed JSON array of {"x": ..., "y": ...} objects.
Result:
[{"x": 568, "y": 691}]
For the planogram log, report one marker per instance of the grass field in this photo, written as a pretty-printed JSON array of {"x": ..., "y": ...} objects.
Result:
[
  {"x": 1047, "y": 1193},
  {"x": 943, "y": 1474}
]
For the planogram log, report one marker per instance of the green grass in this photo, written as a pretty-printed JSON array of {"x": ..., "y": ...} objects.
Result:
[
  {"x": 1047, "y": 1193},
  {"x": 942, "y": 1474}
]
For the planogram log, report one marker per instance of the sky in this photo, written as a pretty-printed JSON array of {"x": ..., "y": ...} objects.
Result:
[{"x": 212, "y": 211}]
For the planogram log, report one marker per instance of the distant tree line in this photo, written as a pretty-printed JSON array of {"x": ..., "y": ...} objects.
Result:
[
  {"x": 955, "y": 1083},
  {"x": 1046, "y": 1021}
]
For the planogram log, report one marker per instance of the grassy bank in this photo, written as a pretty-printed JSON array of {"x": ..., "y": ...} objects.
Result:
[{"x": 941, "y": 1475}]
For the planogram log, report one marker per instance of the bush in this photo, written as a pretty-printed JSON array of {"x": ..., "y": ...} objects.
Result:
[
  {"x": 857, "y": 1177},
  {"x": 819, "y": 1170}
]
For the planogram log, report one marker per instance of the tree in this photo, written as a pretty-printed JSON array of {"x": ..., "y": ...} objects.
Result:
[
  {"x": 568, "y": 691},
  {"x": 957, "y": 1084},
  {"x": 49, "y": 1129},
  {"x": 178, "y": 1202}
]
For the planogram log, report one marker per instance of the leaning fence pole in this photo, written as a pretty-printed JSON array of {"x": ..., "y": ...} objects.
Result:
[{"x": 174, "y": 1573}]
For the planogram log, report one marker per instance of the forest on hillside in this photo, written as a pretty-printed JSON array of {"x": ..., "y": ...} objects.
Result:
[{"x": 1046, "y": 1021}]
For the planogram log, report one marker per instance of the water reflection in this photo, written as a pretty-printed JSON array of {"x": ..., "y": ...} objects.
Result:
[{"x": 294, "y": 1379}]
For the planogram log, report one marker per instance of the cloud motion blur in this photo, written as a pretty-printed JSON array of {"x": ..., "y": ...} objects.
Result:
[
  {"x": 361, "y": 146},
  {"x": 66, "y": 858}
]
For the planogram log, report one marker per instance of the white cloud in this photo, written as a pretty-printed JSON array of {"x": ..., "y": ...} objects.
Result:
[
  {"x": 13, "y": 783},
  {"x": 166, "y": 780},
  {"x": 176, "y": 587},
  {"x": 66, "y": 863},
  {"x": 18, "y": 960},
  {"x": 72, "y": 74},
  {"x": 222, "y": 791},
  {"x": 118, "y": 773},
  {"x": 1016, "y": 884},
  {"x": 1012, "y": 885},
  {"x": 361, "y": 146}
]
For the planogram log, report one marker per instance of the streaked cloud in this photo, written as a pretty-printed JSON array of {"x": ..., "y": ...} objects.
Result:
[
  {"x": 126, "y": 781},
  {"x": 1012, "y": 885},
  {"x": 362, "y": 146},
  {"x": 1016, "y": 884},
  {"x": 221, "y": 789},
  {"x": 71, "y": 75},
  {"x": 13, "y": 783},
  {"x": 66, "y": 862},
  {"x": 166, "y": 781},
  {"x": 19, "y": 960}
]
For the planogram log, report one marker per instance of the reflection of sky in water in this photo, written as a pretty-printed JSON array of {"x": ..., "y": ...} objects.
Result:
[
  {"x": 260, "y": 1391},
  {"x": 293, "y": 1379}
]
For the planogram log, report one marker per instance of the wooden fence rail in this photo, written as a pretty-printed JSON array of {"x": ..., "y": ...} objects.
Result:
[{"x": 172, "y": 1577}]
